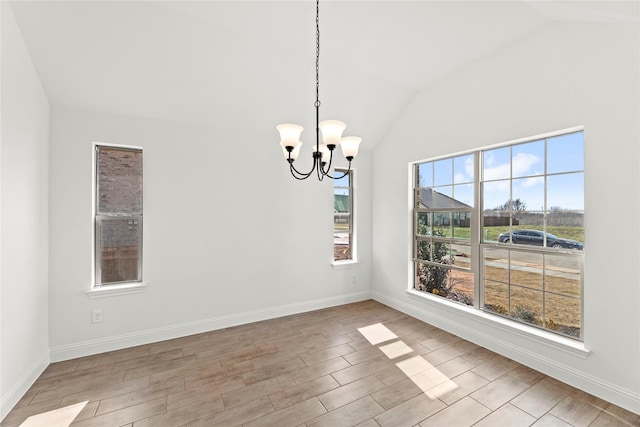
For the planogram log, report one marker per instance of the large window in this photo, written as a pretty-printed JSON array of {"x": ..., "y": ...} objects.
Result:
[
  {"x": 529, "y": 226},
  {"x": 118, "y": 215},
  {"x": 343, "y": 235}
]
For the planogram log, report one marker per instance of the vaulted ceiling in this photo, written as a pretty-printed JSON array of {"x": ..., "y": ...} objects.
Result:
[{"x": 252, "y": 63}]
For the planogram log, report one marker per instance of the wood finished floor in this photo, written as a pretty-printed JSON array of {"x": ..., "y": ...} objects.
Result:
[{"x": 359, "y": 364}]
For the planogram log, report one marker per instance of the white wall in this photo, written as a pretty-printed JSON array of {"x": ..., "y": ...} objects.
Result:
[
  {"x": 558, "y": 77},
  {"x": 229, "y": 236},
  {"x": 24, "y": 335}
]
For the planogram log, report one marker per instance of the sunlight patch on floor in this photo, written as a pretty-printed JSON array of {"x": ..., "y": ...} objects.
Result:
[
  {"x": 62, "y": 417},
  {"x": 414, "y": 365},
  {"x": 396, "y": 349},
  {"x": 442, "y": 389},
  {"x": 427, "y": 377},
  {"x": 377, "y": 333}
]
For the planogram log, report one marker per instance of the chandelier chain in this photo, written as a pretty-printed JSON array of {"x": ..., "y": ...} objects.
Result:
[{"x": 317, "y": 104}]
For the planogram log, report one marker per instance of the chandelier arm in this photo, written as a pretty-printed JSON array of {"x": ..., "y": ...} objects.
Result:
[
  {"x": 301, "y": 175},
  {"x": 320, "y": 173},
  {"x": 344, "y": 174},
  {"x": 326, "y": 172}
]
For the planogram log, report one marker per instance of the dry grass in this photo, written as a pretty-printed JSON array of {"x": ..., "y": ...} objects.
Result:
[
  {"x": 558, "y": 304},
  {"x": 526, "y": 291}
]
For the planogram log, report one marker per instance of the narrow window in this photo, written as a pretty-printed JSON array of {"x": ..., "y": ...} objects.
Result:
[
  {"x": 118, "y": 215},
  {"x": 343, "y": 240}
]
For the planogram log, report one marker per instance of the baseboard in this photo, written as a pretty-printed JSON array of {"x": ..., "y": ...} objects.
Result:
[
  {"x": 20, "y": 388},
  {"x": 584, "y": 381},
  {"x": 87, "y": 348}
]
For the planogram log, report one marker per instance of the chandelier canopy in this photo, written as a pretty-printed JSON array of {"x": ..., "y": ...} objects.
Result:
[{"x": 331, "y": 134}]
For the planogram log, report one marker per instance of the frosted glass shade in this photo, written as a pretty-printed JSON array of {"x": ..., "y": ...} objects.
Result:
[
  {"x": 324, "y": 151},
  {"x": 350, "y": 146},
  {"x": 332, "y": 131},
  {"x": 289, "y": 134},
  {"x": 294, "y": 153}
]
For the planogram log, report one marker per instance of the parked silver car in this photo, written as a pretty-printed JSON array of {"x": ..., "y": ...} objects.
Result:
[{"x": 536, "y": 238}]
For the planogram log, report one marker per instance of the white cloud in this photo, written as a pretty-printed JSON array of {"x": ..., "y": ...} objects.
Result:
[
  {"x": 496, "y": 172},
  {"x": 522, "y": 164},
  {"x": 468, "y": 167},
  {"x": 532, "y": 182},
  {"x": 499, "y": 186}
]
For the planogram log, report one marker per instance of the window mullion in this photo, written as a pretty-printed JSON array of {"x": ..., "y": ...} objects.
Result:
[{"x": 476, "y": 232}]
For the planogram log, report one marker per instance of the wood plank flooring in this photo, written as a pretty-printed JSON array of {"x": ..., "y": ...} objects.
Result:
[{"x": 361, "y": 364}]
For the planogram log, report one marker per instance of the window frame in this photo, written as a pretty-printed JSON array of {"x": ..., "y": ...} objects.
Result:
[
  {"x": 99, "y": 289},
  {"x": 451, "y": 239},
  {"x": 479, "y": 245},
  {"x": 352, "y": 218}
]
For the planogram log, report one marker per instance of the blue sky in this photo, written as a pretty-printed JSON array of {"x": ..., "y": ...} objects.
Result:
[
  {"x": 341, "y": 182},
  {"x": 525, "y": 164}
]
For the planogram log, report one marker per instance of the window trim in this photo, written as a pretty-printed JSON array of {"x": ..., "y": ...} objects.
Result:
[
  {"x": 117, "y": 289},
  {"x": 575, "y": 345},
  {"x": 568, "y": 345},
  {"x": 338, "y": 264},
  {"x": 97, "y": 290}
]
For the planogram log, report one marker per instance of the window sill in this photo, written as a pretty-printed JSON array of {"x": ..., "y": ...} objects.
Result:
[
  {"x": 105, "y": 291},
  {"x": 549, "y": 339},
  {"x": 337, "y": 265}
]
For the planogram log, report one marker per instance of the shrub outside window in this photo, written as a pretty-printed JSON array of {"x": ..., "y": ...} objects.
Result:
[
  {"x": 530, "y": 222},
  {"x": 118, "y": 215}
]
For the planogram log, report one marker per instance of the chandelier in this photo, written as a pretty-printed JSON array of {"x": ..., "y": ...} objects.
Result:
[{"x": 331, "y": 134}]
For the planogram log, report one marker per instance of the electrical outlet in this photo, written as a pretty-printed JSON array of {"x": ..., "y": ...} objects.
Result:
[{"x": 96, "y": 316}]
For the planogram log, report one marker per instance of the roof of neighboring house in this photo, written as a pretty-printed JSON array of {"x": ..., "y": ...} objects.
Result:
[
  {"x": 340, "y": 203},
  {"x": 432, "y": 199}
]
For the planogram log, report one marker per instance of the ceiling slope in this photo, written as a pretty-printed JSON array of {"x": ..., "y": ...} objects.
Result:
[{"x": 253, "y": 63}]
